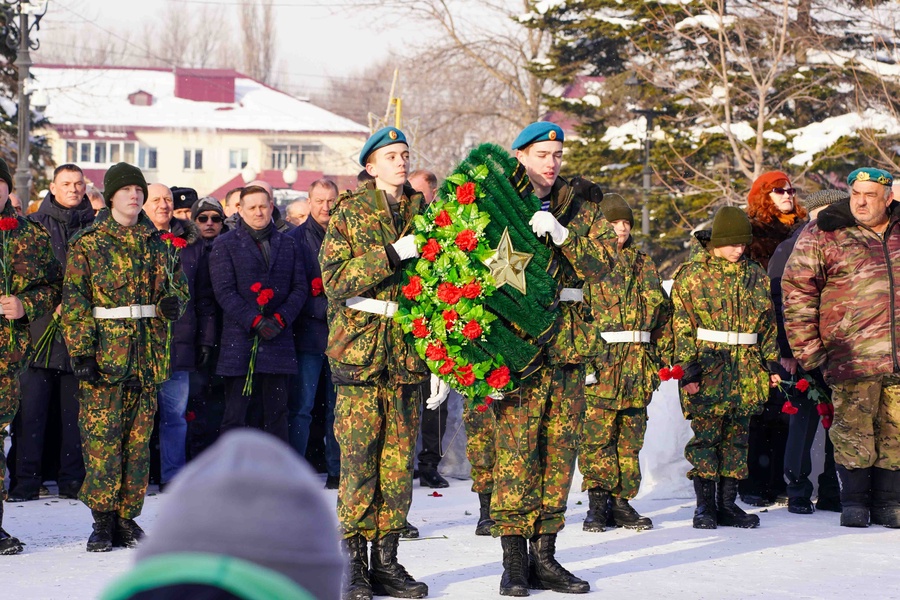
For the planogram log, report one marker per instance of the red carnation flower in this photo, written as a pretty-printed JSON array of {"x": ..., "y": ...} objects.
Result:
[
  {"x": 431, "y": 249},
  {"x": 789, "y": 408},
  {"x": 472, "y": 330},
  {"x": 167, "y": 237},
  {"x": 802, "y": 385},
  {"x": 465, "y": 194},
  {"x": 256, "y": 287},
  {"x": 677, "y": 372},
  {"x": 443, "y": 219},
  {"x": 665, "y": 373},
  {"x": 488, "y": 400},
  {"x": 450, "y": 317},
  {"x": 317, "y": 287},
  {"x": 822, "y": 409},
  {"x": 465, "y": 376},
  {"x": 420, "y": 330},
  {"x": 481, "y": 408},
  {"x": 436, "y": 351},
  {"x": 826, "y": 421},
  {"x": 412, "y": 289},
  {"x": 447, "y": 367},
  {"x": 498, "y": 378},
  {"x": 9, "y": 223},
  {"x": 449, "y": 293},
  {"x": 466, "y": 240},
  {"x": 265, "y": 296},
  {"x": 471, "y": 290},
  {"x": 179, "y": 243}
]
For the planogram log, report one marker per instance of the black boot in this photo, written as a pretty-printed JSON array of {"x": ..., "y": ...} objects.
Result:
[
  {"x": 856, "y": 487},
  {"x": 388, "y": 577},
  {"x": 514, "y": 581},
  {"x": 598, "y": 510},
  {"x": 409, "y": 531},
  {"x": 127, "y": 533},
  {"x": 545, "y": 573},
  {"x": 705, "y": 513},
  {"x": 357, "y": 585},
  {"x": 104, "y": 527},
  {"x": 727, "y": 512},
  {"x": 429, "y": 477},
  {"x": 8, "y": 544},
  {"x": 485, "y": 522},
  {"x": 625, "y": 515},
  {"x": 886, "y": 498}
]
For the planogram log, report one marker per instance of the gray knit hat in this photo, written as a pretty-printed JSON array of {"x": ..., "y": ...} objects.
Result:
[
  {"x": 823, "y": 198},
  {"x": 204, "y": 204},
  {"x": 252, "y": 497}
]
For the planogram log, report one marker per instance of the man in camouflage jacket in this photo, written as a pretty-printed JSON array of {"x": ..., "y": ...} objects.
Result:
[
  {"x": 841, "y": 299},
  {"x": 377, "y": 373},
  {"x": 31, "y": 279},
  {"x": 117, "y": 303},
  {"x": 725, "y": 341},
  {"x": 630, "y": 309}
]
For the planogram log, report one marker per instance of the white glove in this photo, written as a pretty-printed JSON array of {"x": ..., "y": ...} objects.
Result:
[
  {"x": 591, "y": 379},
  {"x": 543, "y": 223},
  {"x": 440, "y": 389},
  {"x": 406, "y": 247}
]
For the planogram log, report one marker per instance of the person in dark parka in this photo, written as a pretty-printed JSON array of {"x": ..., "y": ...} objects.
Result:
[{"x": 255, "y": 252}]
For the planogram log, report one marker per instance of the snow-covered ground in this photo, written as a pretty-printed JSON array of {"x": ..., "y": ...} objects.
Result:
[{"x": 788, "y": 556}]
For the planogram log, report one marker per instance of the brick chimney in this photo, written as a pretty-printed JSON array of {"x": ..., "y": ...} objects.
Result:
[{"x": 205, "y": 85}]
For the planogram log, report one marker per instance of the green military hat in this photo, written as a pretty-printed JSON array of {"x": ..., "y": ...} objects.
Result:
[
  {"x": 540, "y": 131},
  {"x": 120, "y": 175},
  {"x": 870, "y": 174},
  {"x": 730, "y": 227},
  {"x": 381, "y": 138},
  {"x": 615, "y": 208}
]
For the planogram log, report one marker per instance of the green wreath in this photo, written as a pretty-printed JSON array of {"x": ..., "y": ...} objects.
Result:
[{"x": 480, "y": 336}]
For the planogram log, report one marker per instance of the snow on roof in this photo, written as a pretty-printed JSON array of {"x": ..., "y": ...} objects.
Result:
[
  {"x": 98, "y": 96},
  {"x": 817, "y": 137}
]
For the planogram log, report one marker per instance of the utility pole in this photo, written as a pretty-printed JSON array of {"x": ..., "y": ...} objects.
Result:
[{"x": 647, "y": 172}]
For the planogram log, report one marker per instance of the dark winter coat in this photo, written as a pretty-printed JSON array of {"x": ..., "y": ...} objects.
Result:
[
  {"x": 235, "y": 264},
  {"x": 766, "y": 237},
  {"x": 62, "y": 224},
  {"x": 311, "y": 328},
  {"x": 776, "y": 271},
  {"x": 197, "y": 325}
]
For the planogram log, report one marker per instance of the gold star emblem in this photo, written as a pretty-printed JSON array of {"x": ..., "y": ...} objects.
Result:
[{"x": 508, "y": 266}]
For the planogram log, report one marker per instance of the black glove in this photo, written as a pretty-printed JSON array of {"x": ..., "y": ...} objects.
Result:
[
  {"x": 693, "y": 373},
  {"x": 204, "y": 355},
  {"x": 169, "y": 308},
  {"x": 267, "y": 328},
  {"x": 85, "y": 368},
  {"x": 774, "y": 368},
  {"x": 587, "y": 189}
]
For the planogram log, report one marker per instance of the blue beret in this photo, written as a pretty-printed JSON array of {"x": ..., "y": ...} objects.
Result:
[
  {"x": 870, "y": 174},
  {"x": 540, "y": 131},
  {"x": 381, "y": 138}
]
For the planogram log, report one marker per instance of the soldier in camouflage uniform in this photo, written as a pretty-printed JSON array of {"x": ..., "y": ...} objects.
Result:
[
  {"x": 376, "y": 372},
  {"x": 841, "y": 300},
  {"x": 117, "y": 303},
  {"x": 724, "y": 335},
  {"x": 33, "y": 288},
  {"x": 538, "y": 429},
  {"x": 630, "y": 310},
  {"x": 480, "y": 451}
]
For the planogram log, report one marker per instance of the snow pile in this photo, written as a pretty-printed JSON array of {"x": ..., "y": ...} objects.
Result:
[{"x": 817, "y": 137}]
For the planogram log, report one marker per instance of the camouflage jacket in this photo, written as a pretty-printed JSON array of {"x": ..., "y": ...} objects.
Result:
[
  {"x": 588, "y": 252},
  {"x": 628, "y": 298},
  {"x": 715, "y": 294},
  {"x": 841, "y": 294},
  {"x": 109, "y": 266},
  {"x": 355, "y": 262},
  {"x": 36, "y": 279}
]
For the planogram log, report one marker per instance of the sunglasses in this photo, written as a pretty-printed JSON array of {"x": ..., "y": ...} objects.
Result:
[
  {"x": 783, "y": 191},
  {"x": 213, "y": 218}
]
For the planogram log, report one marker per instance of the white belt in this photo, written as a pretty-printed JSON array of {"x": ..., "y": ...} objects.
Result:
[
  {"x": 571, "y": 295},
  {"x": 371, "y": 305},
  {"x": 134, "y": 311},
  {"x": 624, "y": 337},
  {"x": 732, "y": 338}
]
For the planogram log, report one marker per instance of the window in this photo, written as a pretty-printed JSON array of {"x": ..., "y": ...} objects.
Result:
[
  {"x": 302, "y": 155},
  {"x": 147, "y": 158},
  {"x": 71, "y": 152},
  {"x": 193, "y": 160},
  {"x": 129, "y": 153},
  {"x": 115, "y": 153},
  {"x": 100, "y": 153},
  {"x": 85, "y": 152},
  {"x": 309, "y": 154},
  {"x": 238, "y": 159}
]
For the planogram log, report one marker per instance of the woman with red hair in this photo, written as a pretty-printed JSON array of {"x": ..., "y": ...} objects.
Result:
[{"x": 774, "y": 213}]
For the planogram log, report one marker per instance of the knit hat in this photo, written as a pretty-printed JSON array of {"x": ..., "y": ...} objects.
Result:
[
  {"x": 615, "y": 208},
  {"x": 251, "y": 497},
  {"x": 731, "y": 226},
  {"x": 767, "y": 178},
  {"x": 120, "y": 175},
  {"x": 5, "y": 175},
  {"x": 205, "y": 204},
  {"x": 183, "y": 197},
  {"x": 823, "y": 198}
]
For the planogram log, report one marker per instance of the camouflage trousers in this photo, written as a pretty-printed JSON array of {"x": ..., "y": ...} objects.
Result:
[
  {"x": 480, "y": 451},
  {"x": 536, "y": 445},
  {"x": 610, "y": 443},
  {"x": 376, "y": 428},
  {"x": 115, "y": 423},
  {"x": 9, "y": 405},
  {"x": 718, "y": 447},
  {"x": 866, "y": 428}
]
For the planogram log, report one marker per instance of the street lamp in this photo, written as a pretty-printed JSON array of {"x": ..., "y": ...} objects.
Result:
[
  {"x": 648, "y": 114},
  {"x": 248, "y": 173},
  {"x": 17, "y": 32},
  {"x": 290, "y": 174}
]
